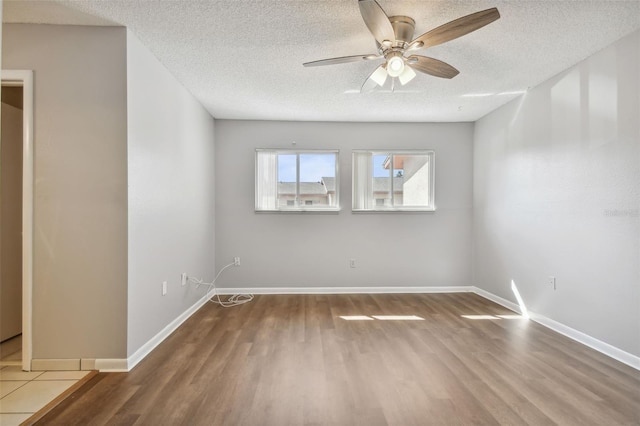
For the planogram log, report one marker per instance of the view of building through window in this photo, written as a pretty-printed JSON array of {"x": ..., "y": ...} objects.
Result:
[
  {"x": 307, "y": 179},
  {"x": 393, "y": 180},
  {"x": 296, "y": 180}
]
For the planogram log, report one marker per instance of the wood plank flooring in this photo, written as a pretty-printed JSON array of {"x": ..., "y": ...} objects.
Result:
[{"x": 292, "y": 360}]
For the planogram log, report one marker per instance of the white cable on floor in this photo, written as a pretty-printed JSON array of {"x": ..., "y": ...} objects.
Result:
[{"x": 234, "y": 300}]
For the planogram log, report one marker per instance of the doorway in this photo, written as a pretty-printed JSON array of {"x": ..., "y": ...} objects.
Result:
[
  {"x": 16, "y": 218},
  {"x": 11, "y": 226}
]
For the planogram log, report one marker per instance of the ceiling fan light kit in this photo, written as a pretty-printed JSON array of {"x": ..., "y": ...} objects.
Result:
[
  {"x": 394, "y": 39},
  {"x": 395, "y": 64}
]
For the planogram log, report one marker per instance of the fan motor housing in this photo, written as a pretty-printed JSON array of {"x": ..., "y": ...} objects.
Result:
[{"x": 403, "y": 28}]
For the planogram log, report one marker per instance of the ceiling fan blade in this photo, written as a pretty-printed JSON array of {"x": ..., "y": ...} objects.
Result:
[
  {"x": 376, "y": 20},
  {"x": 432, "y": 66},
  {"x": 341, "y": 60},
  {"x": 456, "y": 28},
  {"x": 377, "y": 78}
]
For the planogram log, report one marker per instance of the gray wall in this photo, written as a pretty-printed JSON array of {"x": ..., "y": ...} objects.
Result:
[
  {"x": 80, "y": 198},
  {"x": 171, "y": 195},
  {"x": 556, "y": 193},
  {"x": 313, "y": 250}
]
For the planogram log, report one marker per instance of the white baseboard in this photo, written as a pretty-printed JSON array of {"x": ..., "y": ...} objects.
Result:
[
  {"x": 342, "y": 290},
  {"x": 497, "y": 299},
  {"x": 123, "y": 365},
  {"x": 108, "y": 365},
  {"x": 75, "y": 364},
  {"x": 117, "y": 365},
  {"x": 598, "y": 345},
  {"x": 49, "y": 364},
  {"x": 145, "y": 349}
]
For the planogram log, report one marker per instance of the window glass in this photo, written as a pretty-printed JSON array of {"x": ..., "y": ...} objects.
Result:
[
  {"x": 393, "y": 180},
  {"x": 296, "y": 180}
]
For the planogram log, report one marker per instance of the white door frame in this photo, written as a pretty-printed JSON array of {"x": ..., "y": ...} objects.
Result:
[{"x": 24, "y": 78}]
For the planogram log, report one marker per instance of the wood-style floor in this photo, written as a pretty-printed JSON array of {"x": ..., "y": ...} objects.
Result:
[{"x": 292, "y": 360}]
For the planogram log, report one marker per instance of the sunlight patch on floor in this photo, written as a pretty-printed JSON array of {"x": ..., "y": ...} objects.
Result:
[
  {"x": 381, "y": 317},
  {"x": 480, "y": 317},
  {"x": 398, "y": 317},
  {"x": 356, "y": 318}
]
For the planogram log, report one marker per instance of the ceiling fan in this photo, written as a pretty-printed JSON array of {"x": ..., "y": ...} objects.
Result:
[{"x": 394, "y": 40}]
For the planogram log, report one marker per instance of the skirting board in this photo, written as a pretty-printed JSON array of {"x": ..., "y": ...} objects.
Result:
[
  {"x": 497, "y": 299},
  {"x": 55, "y": 364},
  {"x": 598, "y": 345},
  {"x": 75, "y": 364},
  {"x": 342, "y": 290},
  {"x": 124, "y": 365},
  {"x": 145, "y": 349},
  {"x": 119, "y": 365}
]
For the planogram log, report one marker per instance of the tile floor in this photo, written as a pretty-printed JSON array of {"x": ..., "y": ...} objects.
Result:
[{"x": 24, "y": 393}]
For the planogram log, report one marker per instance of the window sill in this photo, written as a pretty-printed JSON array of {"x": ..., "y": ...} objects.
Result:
[
  {"x": 305, "y": 211},
  {"x": 401, "y": 210}
]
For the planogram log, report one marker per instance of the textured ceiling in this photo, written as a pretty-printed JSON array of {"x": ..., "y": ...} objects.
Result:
[{"x": 243, "y": 58}]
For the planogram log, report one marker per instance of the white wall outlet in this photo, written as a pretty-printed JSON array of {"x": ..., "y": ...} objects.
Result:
[
  {"x": 236, "y": 261},
  {"x": 183, "y": 279},
  {"x": 552, "y": 282},
  {"x": 352, "y": 263},
  {"x": 164, "y": 288}
]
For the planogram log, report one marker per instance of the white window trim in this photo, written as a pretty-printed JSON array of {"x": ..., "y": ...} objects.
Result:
[
  {"x": 385, "y": 209},
  {"x": 315, "y": 208}
]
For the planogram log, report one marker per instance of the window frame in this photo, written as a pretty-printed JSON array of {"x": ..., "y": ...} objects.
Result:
[
  {"x": 374, "y": 207},
  {"x": 297, "y": 208}
]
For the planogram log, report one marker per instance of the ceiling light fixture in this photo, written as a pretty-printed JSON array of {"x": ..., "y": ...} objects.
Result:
[
  {"x": 395, "y": 64},
  {"x": 394, "y": 37}
]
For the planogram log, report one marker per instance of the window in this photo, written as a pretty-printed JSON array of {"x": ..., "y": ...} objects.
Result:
[
  {"x": 393, "y": 181},
  {"x": 288, "y": 180}
]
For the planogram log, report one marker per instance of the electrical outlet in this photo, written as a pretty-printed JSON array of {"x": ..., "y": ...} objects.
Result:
[
  {"x": 164, "y": 288},
  {"x": 236, "y": 261},
  {"x": 183, "y": 279},
  {"x": 552, "y": 282},
  {"x": 352, "y": 263}
]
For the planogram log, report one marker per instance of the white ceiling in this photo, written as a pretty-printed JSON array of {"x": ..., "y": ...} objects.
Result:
[{"x": 243, "y": 58}]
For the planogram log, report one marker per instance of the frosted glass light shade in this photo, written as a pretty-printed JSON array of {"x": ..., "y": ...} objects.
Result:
[
  {"x": 407, "y": 75},
  {"x": 379, "y": 76}
]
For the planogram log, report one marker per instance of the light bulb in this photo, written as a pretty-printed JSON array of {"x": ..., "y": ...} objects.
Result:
[{"x": 395, "y": 66}]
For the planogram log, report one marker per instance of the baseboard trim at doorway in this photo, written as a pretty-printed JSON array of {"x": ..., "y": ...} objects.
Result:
[{"x": 55, "y": 364}]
